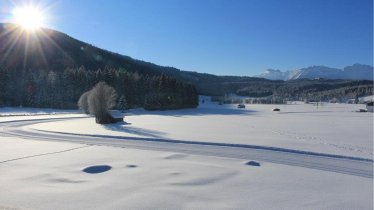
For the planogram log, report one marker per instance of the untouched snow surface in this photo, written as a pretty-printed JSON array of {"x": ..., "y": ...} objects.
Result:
[
  {"x": 330, "y": 128},
  {"x": 49, "y": 175}
]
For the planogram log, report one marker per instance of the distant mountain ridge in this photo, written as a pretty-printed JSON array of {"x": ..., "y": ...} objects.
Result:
[{"x": 354, "y": 72}]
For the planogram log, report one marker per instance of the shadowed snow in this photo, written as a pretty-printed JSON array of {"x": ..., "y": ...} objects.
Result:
[{"x": 97, "y": 169}]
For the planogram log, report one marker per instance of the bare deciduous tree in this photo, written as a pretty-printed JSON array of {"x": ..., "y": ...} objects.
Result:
[
  {"x": 100, "y": 99},
  {"x": 83, "y": 102}
]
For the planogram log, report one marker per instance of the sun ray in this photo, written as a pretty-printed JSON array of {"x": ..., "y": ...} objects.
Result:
[
  {"x": 16, "y": 33},
  {"x": 40, "y": 49}
]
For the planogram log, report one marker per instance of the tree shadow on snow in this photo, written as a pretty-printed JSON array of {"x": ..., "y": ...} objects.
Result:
[{"x": 122, "y": 127}]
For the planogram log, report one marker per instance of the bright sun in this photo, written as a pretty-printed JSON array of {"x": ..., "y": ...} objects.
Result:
[{"x": 29, "y": 17}]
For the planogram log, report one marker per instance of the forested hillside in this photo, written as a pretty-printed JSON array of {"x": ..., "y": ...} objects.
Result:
[{"x": 51, "y": 69}]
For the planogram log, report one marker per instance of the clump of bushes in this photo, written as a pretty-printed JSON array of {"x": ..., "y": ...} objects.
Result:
[{"x": 98, "y": 101}]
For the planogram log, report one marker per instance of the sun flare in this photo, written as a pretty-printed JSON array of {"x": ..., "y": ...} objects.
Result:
[{"x": 29, "y": 17}]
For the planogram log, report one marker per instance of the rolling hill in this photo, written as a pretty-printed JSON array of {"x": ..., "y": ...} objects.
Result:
[
  {"x": 48, "y": 51},
  {"x": 52, "y": 50}
]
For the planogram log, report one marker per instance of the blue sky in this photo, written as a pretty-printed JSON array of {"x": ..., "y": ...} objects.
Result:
[{"x": 224, "y": 37}]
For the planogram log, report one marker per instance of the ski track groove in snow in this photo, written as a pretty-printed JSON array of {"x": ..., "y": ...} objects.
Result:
[
  {"x": 44, "y": 154},
  {"x": 326, "y": 162}
]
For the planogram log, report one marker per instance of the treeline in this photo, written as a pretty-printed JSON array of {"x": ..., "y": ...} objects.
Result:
[
  {"x": 339, "y": 94},
  {"x": 311, "y": 90},
  {"x": 50, "y": 89}
]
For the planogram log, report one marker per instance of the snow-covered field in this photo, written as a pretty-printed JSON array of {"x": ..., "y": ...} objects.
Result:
[
  {"x": 50, "y": 175},
  {"x": 330, "y": 128}
]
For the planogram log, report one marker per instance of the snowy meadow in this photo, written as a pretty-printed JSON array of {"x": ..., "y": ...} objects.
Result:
[
  {"x": 40, "y": 173},
  {"x": 331, "y": 128}
]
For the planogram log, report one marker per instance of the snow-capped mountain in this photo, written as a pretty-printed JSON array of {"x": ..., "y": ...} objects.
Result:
[
  {"x": 354, "y": 72},
  {"x": 314, "y": 72},
  {"x": 274, "y": 74},
  {"x": 358, "y": 71}
]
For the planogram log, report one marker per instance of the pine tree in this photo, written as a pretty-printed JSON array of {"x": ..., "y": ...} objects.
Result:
[{"x": 122, "y": 104}]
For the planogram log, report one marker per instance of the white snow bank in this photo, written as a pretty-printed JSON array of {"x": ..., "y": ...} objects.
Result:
[
  {"x": 48, "y": 175},
  {"x": 34, "y": 117},
  {"x": 17, "y": 111}
]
